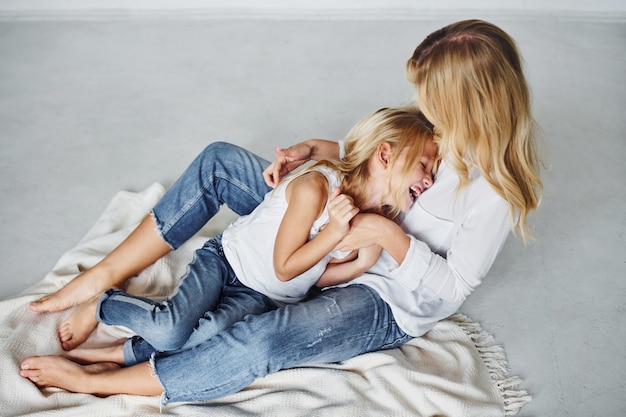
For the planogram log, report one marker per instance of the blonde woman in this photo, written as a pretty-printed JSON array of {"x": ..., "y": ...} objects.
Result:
[{"x": 470, "y": 85}]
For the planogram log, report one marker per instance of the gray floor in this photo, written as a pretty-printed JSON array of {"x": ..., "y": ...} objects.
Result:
[{"x": 91, "y": 107}]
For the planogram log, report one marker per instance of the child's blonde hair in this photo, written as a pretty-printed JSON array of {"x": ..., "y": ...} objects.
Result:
[
  {"x": 404, "y": 127},
  {"x": 470, "y": 85}
]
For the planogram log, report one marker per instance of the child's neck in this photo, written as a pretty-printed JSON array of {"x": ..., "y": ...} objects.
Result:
[{"x": 364, "y": 197}]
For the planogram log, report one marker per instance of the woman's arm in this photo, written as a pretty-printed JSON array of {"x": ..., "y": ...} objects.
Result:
[
  {"x": 292, "y": 157},
  {"x": 307, "y": 195},
  {"x": 372, "y": 229},
  {"x": 340, "y": 273},
  {"x": 475, "y": 242}
]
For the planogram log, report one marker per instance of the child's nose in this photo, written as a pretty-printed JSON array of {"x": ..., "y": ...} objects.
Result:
[{"x": 428, "y": 180}]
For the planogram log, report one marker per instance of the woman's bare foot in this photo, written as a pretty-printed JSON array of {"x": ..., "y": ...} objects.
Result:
[
  {"x": 113, "y": 353},
  {"x": 103, "y": 378},
  {"x": 79, "y": 325},
  {"x": 59, "y": 372}
]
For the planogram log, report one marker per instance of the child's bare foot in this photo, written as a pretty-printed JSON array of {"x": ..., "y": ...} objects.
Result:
[
  {"x": 140, "y": 249},
  {"x": 79, "y": 325},
  {"x": 113, "y": 353},
  {"x": 75, "y": 292},
  {"x": 59, "y": 372}
]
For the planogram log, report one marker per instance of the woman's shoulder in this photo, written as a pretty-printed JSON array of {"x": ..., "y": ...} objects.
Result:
[{"x": 445, "y": 197}]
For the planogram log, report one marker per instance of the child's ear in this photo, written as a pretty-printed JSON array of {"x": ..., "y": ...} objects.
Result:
[{"x": 383, "y": 153}]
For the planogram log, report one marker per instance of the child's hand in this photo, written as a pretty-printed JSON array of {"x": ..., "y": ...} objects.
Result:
[
  {"x": 341, "y": 210},
  {"x": 286, "y": 161}
]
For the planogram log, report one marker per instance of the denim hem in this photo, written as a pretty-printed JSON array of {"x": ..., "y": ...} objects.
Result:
[
  {"x": 129, "y": 355},
  {"x": 102, "y": 299},
  {"x": 159, "y": 229},
  {"x": 163, "y": 400}
]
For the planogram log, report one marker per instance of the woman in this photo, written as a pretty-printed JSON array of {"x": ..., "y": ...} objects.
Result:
[{"x": 471, "y": 87}]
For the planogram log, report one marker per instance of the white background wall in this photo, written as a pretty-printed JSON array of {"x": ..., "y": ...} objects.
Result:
[{"x": 312, "y": 6}]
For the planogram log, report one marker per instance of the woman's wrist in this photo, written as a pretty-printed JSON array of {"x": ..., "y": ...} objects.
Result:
[
  {"x": 323, "y": 149},
  {"x": 394, "y": 240}
]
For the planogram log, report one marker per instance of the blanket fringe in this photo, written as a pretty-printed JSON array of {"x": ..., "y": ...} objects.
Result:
[{"x": 495, "y": 359}]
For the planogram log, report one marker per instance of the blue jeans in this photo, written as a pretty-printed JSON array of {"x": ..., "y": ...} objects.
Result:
[
  {"x": 208, "y": 300},
  {"x": 222, "y": 174},
  {"x": 335, "y": 325}
]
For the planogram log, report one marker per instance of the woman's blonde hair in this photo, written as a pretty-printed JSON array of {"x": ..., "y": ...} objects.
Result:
[
  {"x": 402, "y": 128},
  {"x": 471, "y": 86}
]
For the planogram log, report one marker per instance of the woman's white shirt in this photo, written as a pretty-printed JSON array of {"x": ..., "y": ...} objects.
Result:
[{"x": 455, "y": 238}]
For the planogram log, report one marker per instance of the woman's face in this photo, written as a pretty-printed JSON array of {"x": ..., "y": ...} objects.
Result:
[{"x": 418, "y": 180}]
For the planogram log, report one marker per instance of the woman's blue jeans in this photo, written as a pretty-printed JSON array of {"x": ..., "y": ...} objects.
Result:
[{"x": 335, "y": 325}]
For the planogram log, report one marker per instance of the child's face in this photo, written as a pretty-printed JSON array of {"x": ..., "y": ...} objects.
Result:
[{"x": 419, "y": 178}]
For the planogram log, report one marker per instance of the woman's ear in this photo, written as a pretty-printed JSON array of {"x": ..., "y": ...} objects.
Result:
[{"x": 383, "y": 154}]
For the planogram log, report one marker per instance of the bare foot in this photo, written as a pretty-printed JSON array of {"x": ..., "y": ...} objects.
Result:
[
  {"x": 79, "y": 325},
  {"x": 140, "y": 249},
  {"x": 75, "y": 292},
  {"x": 59, "y": 372},
  {"x": 114, "y": 353}
]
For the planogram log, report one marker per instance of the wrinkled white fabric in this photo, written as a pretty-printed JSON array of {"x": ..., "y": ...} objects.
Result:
[{"x": 442, "y": 373}]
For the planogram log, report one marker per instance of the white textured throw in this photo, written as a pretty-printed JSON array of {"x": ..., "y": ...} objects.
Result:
[{"x": 454, "y": 370}]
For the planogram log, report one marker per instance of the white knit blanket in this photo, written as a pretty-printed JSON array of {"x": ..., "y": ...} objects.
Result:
[{"x": 452, "y": 371}]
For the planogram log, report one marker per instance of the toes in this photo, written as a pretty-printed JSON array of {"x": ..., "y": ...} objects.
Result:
[
  {"x": 38, "y": 305},
  {"x": 26, "y": 364},
  {"x": 34, "y": 368},
  {"x": 70, "y": 340},
  {"x": 70, "y": 344},
  {"x": 33, "y": 362},
  {"x": 34, "y": 376},
  {"x": 29, "y": 369},
  {"x": 66, "y": 337},
  {"x": 65, "y": 332}
]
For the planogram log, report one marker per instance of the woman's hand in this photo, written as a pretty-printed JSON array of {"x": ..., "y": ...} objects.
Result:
[
  {"x": 286, "y": 161},
  {"x": 364, "y": 231},
  {"x": 368, "y": 256},
  {"x": 367, "y": 229},
  {"x": 291, "y": 158},
  {"x": 340, "y": 273}
]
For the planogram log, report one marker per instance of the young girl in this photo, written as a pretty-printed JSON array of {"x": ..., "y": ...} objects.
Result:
[{"x": 390, "y": 158}]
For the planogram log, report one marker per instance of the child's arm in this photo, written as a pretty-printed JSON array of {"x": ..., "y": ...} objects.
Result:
[
  {"x": 307, "y": 196},
  {"x": 339, "y": 273}
]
